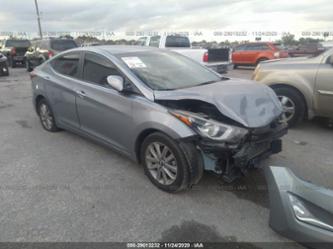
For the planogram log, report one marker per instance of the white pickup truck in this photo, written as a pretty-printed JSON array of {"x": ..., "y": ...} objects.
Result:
[{"x": 216, "y": 59}]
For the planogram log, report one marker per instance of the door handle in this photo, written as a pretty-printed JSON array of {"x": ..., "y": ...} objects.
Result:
[
  {"x": 323, "y": 92},
  {"x": 81, "y": 93}
]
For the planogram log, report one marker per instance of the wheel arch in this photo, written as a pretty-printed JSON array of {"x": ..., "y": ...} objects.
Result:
[
  {"x": 37, "y": 99},
  {"x": 280, "y": 85},
  {"x": 261, "y": 58},
  {"x": 141, "y": 137}
]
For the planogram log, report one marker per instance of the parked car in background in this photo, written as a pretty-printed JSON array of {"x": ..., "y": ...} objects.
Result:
[
  {"x": 43, "y": 49},
  {"x": 161, "y": 109},
  {"x": 217, "y": 59},
  {"x": 251, "y": 54},
  {"x": 327, "y": 44},
  {"x": 304, "y": 86},
  {"x": 3, "y": 65},
  {"x": 14, "y": 50},
  {"x": 89, "y": 44},
  {"x": 305, "y": 50}
]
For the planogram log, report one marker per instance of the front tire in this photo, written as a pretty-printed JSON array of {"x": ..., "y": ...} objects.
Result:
[
  {"x": 293, "y": 104},
  {"x": 164, "y": 163},
  {"x": 46, "y": 116}
]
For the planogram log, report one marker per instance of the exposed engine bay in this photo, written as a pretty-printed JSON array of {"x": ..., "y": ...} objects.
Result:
[{"x": 231, "y": 159}]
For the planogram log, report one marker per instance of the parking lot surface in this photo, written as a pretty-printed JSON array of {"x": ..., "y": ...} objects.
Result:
[{"x": 61, "y": 187}]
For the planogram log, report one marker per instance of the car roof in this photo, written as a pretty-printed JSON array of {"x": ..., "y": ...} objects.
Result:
[{"x": 117, "y": 49}]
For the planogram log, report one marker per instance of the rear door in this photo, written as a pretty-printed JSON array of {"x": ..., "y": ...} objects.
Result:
[
  {"x": 237, "y": 54},
  {"x": 251, "y": 53},
  {"x": 324, "y": 89},
  {"x": 104, "y": 112},
  {"x": 61, "y": 88}
]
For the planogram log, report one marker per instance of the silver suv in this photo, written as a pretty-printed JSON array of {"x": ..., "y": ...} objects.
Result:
[{"x": 174, "y": 116}]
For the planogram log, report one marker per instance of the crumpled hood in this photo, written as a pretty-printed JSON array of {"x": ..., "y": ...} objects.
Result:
[{"x": 247, "y": 102}]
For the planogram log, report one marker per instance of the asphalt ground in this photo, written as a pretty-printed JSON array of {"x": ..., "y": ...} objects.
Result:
[{"x": 62, "y": 187}]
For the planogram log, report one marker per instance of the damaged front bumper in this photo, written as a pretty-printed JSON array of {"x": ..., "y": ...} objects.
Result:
[
  {"x": 233, "y": 160},
  {"x": 300, "y": 210}
]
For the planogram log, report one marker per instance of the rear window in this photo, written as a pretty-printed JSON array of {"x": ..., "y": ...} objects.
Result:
[
  {"x": 177, "y": 41},
  {"x": 155, "y": 41},
  {"x": 67, "y": 64},
  {"x": 62, "y": 45},
  {"x": 18, "y": 43},
  {"x": 141, "y": 41}
]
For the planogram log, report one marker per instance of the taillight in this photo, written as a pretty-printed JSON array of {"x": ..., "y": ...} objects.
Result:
[
  {"x": 13, "y": 51},
  {"x": 205, "y": 57},
  {"x": 50, "y": 54}
]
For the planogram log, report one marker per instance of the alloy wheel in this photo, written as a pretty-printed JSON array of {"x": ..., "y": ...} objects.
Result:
[
  {"x": 46, "y": 116},
  {"x": 288, "y": 107},
  {"x": 161, "y": 163}
]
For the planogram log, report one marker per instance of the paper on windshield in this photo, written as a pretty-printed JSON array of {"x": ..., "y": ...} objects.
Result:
[{"x": 133, "y": 62}]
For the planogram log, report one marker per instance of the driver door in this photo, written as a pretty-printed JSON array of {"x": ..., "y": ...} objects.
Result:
[
  {"x": 324, "y": 89},
  {"x": 103, "y": 112}
]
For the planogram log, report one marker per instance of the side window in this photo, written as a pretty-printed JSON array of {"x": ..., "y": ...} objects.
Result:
[
  {"x": 263, "y": 47},
  {"x": 240, "y": 48},
  {"x": 67, "y": 64},
  {"x": 142, "y": 41},
  {"x": 97, "y": 68},
  {"x": 155, "y": 41},
  {"x": 250, "y": 47}
]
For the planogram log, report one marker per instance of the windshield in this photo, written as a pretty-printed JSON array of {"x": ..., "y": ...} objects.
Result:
[
  {"x": 62, "y": 45},
  {"x": 18, "y": 43},
  {"x": 177, "y": 41},
  {"x": 162, "y": 70}
]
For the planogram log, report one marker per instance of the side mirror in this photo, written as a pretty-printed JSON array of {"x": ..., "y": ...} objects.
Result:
[{"x": 116, "y": 82}]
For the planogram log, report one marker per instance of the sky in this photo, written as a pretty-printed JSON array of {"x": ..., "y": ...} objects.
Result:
[{"x": 168, "y": 15}]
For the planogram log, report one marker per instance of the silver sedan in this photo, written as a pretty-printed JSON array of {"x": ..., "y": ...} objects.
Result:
[{"x": 174, "y": 116}]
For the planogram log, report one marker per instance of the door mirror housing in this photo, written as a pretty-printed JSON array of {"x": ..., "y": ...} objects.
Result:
[{"x": 116, "y": 82}]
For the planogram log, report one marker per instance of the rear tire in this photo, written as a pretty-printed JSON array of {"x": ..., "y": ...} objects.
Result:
[
  {"x": 168, "y": 160},
  {"x": 46, "y": 116},
  {"x": 293, "y": 105},
  {"x": 235, "y": 66}
]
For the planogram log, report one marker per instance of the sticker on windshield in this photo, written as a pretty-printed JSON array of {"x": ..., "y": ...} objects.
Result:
[{"x": 133, "y": 62}]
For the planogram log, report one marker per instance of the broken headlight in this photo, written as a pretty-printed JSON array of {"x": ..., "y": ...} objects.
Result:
[{"x": 209, "y": 128}]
